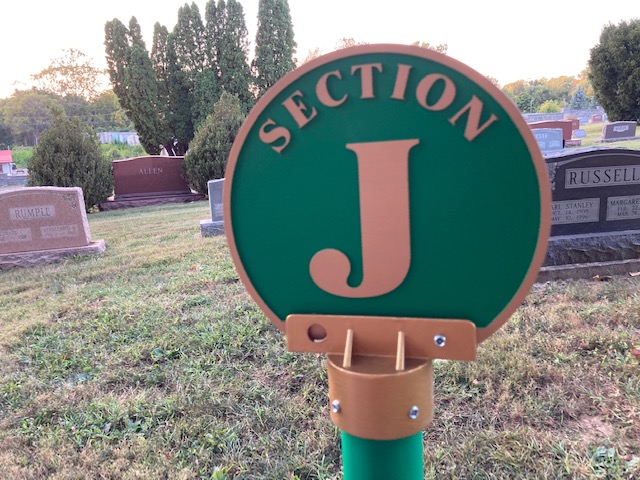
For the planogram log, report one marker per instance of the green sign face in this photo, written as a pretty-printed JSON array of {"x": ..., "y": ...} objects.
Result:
[{"x": 386, "y": 180}]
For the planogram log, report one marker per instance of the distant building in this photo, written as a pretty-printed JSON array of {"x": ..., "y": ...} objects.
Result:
[
  {"x": 129, "y": 138},
  {"x": 6, "y": 162}
]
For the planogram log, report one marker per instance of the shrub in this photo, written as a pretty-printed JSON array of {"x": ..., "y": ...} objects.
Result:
[
  {"x": 68, "y": 155},
  {"x": 550, "y": 106},
  {"x": 209, "y": 150}
]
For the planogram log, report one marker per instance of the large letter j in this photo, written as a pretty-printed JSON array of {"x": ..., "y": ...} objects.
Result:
[{"x": 383, "y": 177}]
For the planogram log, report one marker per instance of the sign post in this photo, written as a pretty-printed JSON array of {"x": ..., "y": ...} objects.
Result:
[{"x": 386, "y": 205}]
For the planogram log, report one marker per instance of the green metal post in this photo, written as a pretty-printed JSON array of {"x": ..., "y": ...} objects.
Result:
[{"x": 364, "y": 459}]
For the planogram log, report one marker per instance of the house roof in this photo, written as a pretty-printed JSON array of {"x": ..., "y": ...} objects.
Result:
[{"x": 5, "y": 156}]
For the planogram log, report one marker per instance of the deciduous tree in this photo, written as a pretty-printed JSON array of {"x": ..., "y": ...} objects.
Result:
[
  {"x": 28, "y": 114},
  {"x": 71, "y": 74}
]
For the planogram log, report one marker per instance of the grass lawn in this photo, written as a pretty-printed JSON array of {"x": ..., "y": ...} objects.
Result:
[
  {"x": 594, "y": 132},
  {"x": 150, "y": 361}
]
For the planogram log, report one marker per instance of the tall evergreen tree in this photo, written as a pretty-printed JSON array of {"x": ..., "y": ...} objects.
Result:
[
  {"x": 160, "y": 62},
  {"x": 213, "y": 30},
  {"x": 134, "y": 82},
  {"x": 275, "y": 45},
  {"x": 579, "y": 99},
  {"x": 180, "y": 100},
  {"x": 143, "y": 96},
  {"x": 189, "y": 40},
  {"x": 117, "y": 54},
  {"x": 135, "y": 34},
  {"x": 206, "y": 93},
  {"x": 232, "y": 51}
]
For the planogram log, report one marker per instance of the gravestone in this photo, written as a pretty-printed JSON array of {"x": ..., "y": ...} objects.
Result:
[
  {"x": 579, "y": 133},
  {"x": 575, "y": 123},
  {"x": 149, "y": 180},
  {"x": 595, "y": 219},
  {"x": 596, "y": 118},
  {"x": 549, "y": 139},
  {"x": 43, "y": 224},
  {"x": 567, "y": 127},
  {"x": 214, "y": 226},
  {"x": 618, "y": 131}
]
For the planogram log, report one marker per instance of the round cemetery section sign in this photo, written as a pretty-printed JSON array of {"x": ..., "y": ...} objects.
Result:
[{"x": 387, "y": 180}]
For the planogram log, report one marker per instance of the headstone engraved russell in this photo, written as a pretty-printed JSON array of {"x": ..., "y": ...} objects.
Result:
[
  {"x": 149, "y": 180},
  {"x": 595, "y": 209},
  {"x": 42, "y": 224}
]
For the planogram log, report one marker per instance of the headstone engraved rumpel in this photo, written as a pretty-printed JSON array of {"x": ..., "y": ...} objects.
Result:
[
  {"x": 618, "y": 131},
  {"x": 595, "y": 214},
  {"x": 42, "y": 224},
  {"x": 549, "y": 139},
  {"x": 149, "y": 180},
  {"x": 214, "y": 226}
]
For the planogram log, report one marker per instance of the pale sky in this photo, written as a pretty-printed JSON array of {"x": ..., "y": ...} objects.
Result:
[{"x": 505, "y": 39}]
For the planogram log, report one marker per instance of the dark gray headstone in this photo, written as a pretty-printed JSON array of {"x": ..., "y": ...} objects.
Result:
[
  {"x": 595, "y": 226},
  {"x": 617, "y": 131},
  {"x": 594, "y": 190},
  {"x": 549, "y": 139},
  {"x": 215, "y": 226}
]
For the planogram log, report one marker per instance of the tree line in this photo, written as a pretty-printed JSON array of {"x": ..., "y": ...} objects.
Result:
[
  {"x": 165, "y": 93},
  {"x": 168, "y": 92}
]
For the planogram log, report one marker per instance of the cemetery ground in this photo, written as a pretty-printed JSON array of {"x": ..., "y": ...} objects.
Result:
[{"x": 151, "y": 361}]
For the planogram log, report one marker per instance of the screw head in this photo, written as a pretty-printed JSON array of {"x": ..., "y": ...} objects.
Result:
[
  {"x": 440, "y": 340},
  {"x": 414, "y": 412},
  {"x": 335, "y": 406}
]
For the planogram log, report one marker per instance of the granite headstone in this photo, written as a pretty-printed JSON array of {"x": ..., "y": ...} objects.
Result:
[
  {"x": 214, "y": 226},
  {"x": 567, "y": 127},
  {"x": 618, "y": 131},
  {"x": 549, "y": 139},
  {"x": 149, "y": 180},
  {"x": 42, "y": 224},
  {"x": 595, "y": 220}
]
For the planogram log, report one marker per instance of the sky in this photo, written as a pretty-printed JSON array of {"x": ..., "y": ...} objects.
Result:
[{"x": 503, "y": 39}]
